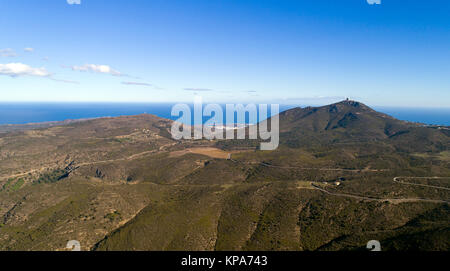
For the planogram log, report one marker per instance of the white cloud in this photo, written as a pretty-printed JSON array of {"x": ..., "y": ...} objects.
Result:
[
  {"x": 8, "y": 52},
  {"x": 97, "y": 69},
  {"x": 28, "y": 49},
  {"x": 374, "y": 2},
  {"x": 74, "y": 2},
  {"x": 19, "y": 69},
  {"x": 65, "y": 81},
  {"x": 198, "y": 89},
  {"x": 137, "y": 84}
]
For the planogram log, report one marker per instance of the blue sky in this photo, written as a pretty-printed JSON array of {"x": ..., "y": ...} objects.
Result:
[{"x": 396, "y": 53}]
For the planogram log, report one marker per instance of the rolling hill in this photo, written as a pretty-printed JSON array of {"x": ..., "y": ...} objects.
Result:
[{"x": 343, "y": 174}]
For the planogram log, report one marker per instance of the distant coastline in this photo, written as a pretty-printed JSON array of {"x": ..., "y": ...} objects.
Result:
[
  {"x": 22, "y": 115},
  {"x": 6, "y": 128},
  {"x": 428, "y": 116}
]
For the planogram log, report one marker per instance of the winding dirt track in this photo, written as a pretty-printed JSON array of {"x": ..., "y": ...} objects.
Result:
[
  {"x": 396, "y": 180},
  {"x": 128, "y": 158},
  {"x": 392, "y": 200},
  {"x": 309, "y": 168},
  {"x": 134, "y": 156}
]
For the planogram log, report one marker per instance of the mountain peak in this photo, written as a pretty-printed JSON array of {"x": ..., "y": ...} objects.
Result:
[
  {"x": 342, "y": 120},
  {"x": 351, "y": 103}
]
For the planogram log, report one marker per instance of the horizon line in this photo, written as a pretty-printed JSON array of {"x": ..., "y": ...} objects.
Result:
[{"x": 220, "y": 103}]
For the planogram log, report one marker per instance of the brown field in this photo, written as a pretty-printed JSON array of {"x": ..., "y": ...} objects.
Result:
[{"x": 208, "y": 151}]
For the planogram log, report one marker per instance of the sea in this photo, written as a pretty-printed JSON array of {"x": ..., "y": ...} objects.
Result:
[{"x": 22, "y": 113}]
